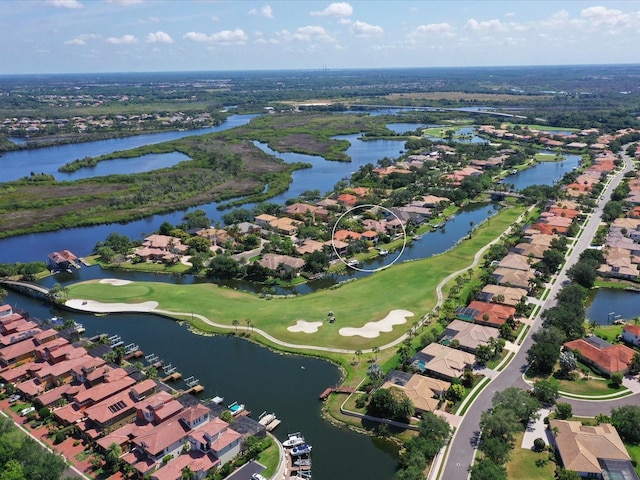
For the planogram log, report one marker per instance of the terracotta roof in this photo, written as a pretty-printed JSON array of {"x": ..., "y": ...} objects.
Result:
[
  {"x": 498, "y": 314},
  {"x": 196, "y": 461},
  {"x": 614, "y": 358},
  {"x": 104, "y": 390}
]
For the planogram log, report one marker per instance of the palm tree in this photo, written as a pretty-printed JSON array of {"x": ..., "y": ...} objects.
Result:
[
  {"x": 405, "y": 407},
  {"x": 186, "y": 473},
  {"x": 112, "y": 456},
  {"x": 358, "y": 353},
  {"x": 376, "y": 351},
  {"x": 248, "y": 324},
  {"x": 235, "y": 324}
]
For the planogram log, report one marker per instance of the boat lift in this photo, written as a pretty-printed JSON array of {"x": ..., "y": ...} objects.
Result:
[
  {"x": 115, "y": 341},
  {"x": 169, "y": 369},
  {"x": 191, "y": 381},
  {"x": 151, "y": 358},
  {"x": 132, "y": 347}
]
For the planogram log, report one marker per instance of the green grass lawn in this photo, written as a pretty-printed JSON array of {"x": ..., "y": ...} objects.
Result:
[
  {"x": 522, "y": 464},
  {"x": 608, "y": 332},
  {"x": 634, "y": 452},
  {"x": 410, "y": 286},
  {"x": 586, "y": 387},
  {"x": 270, "y": 459}
]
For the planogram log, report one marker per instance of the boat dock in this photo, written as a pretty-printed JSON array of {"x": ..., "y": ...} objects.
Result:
[
  {"x": 329, "y": 390},
  {"x": 269, "y": 420}
]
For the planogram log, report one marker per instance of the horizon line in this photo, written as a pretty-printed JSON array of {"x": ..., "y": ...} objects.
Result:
[{"x": 323, "y": 69}]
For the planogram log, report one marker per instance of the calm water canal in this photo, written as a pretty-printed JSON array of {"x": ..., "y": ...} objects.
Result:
[
  {"x": 263, "y": 380},
  {"x": 607, "y": 303},
  {"x": 227, "y": 366}
]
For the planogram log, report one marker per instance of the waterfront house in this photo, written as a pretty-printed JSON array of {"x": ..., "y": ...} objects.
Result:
[
  {"x": 116, "y": 410},
  {"x": 425, "y": 393},
  {"x": 309, "y": 245},
  {"x": 602, "y": 355},
  {"x": 300, "y": 210},
  {"x": 631, "y": 334},
  {"x": 285, "y": 225},
  {"x": 276, "y": 262},
  {"x": 264, "y": 220},
  {"x": 591, "y": 451}
]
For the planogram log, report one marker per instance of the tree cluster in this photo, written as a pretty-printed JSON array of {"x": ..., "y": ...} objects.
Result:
[
  {"x": 512, "y": 410},
  {"x": 21, "y": 458},
  {"x": 433, "y": 433}
]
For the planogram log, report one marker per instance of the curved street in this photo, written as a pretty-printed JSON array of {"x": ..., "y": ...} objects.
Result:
[{"x": 462, "y": 448}]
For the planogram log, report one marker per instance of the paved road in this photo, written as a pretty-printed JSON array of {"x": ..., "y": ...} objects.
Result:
[{"x": 462, "y": 450}]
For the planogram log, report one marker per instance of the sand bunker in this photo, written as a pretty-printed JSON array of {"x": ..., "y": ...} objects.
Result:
[
  {"x": 373, "y": 329},
  {"x": 305, "y": 327},
  {"x": 99, "y": 307},
  {"x": 115, "y": 281}
]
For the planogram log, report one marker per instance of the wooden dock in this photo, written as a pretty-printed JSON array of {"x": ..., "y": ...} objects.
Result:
[
  {"x": 269, "y": 420},
  {"x": 172, "y": 378},
  {"x": 329, "y": 390},
  {"x": 196, "y": 389}
]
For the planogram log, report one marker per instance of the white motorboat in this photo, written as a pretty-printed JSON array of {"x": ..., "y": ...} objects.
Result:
[
  {"x": 303, "y": 449},
  {"x": 294, "y": 440}
]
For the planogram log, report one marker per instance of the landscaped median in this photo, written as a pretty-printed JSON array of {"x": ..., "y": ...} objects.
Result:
[{"x": 410, "y": 286}]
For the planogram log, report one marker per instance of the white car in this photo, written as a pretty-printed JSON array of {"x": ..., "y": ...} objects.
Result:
[
  {"x": 14, "y": 398},
  {"x": 27, "y": 411},
  {"x": 257, "y": 476}
]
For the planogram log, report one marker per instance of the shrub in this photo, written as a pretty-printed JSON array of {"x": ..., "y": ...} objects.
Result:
[{"x": 539, "y": 445}]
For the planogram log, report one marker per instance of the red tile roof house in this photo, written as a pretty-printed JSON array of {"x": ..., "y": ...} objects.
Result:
[
  {"x": 605, "y": 357},
  {"x": 346, "y": 236},
  {"x": 205, "y": 436},
  {"x": 489, "y": 314},
  {"x": 116, "y": 410},
  {"x": 631, "y": 334},
  {"x": 299, "y": 210},
  {"x": 161, "y": 248},
  {"x": 347, "y": 199}
]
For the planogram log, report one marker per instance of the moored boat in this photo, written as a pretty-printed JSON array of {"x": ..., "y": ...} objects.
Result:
[
  {"x": 303, "y": 449},
  {"x": 294, "y": 440}
]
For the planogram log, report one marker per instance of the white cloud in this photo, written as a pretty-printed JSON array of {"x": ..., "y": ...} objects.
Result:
[
  {"x": 341, "y": 9},
  {"x": 493, "y": 26},
  {"x": 65, "y": 3},
  {"x": 159, "y": 37},
  {"x": 82, "y": 39},
  {"x": 606, "y": 17},
  {"x": 266, "y": 12},
  {"x": 225, "y": 37},
  {"x": 123, "y": 40},
  {"x": 362, "y": 29},
  {"x": 559, "y": 19},
  {"x": 309, "y": 33},
  {"x": 437, "y": 28}
]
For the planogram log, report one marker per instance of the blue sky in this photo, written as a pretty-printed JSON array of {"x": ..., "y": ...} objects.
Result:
[{"x": 68, "y": 36}]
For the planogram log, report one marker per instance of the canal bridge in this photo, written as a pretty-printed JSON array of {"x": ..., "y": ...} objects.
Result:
[
  {"x": 27, "y": 288},
  {"x": 501, "y": 193}
]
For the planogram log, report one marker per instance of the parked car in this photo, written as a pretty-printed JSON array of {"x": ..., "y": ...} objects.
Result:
[
  {"x": 257, "y": 476},
  {"x": 14, "y": 398},
  {"x": 26, "y": 411}
]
